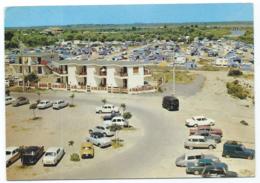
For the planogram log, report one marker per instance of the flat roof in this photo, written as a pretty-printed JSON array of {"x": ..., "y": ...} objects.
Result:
[{"x": 101, "y": 63}]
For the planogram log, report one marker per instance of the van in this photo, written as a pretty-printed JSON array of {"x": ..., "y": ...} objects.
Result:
[
  {"x": 170, "y": 103},
  {"x": 237, "y": 150}
]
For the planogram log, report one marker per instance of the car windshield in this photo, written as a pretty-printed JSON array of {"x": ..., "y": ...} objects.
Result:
[
  {"x": 42, "y": 102},
  {"x": 50, "y": 154},
  {"x": 8, "y": 152}
]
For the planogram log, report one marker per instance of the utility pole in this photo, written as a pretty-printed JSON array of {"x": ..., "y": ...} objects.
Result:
[
  {"x": 173, "y": 77},
  {"x": 20, "y": 51}
]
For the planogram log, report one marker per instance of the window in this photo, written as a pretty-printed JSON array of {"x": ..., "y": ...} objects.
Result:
[
  {"x": 201, "y": 140},
  {"x": 198, "y": 157},
  {"x": 191, "y": 158},
  {"x": 135, "y": 70}
]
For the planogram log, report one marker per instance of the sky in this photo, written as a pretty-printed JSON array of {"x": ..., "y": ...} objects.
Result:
[{"x": 126, "y": 14}]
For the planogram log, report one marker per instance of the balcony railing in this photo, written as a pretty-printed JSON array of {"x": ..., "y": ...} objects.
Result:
[{"x": 59, "y": 71}]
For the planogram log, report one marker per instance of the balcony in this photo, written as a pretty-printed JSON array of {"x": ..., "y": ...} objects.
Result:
[
  {"x": 81, "y": 73},
  {"x": 121, "y": 75},
  {"x": 147, "y": 72},
  {"x": 59, "y": 71},
  {"x": 101, "y": 74}
]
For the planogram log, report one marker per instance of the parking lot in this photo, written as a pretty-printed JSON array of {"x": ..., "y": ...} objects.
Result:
[{"x": 149, "y": 150}]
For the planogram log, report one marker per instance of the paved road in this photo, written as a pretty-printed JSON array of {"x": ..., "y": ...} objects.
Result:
[{"x": 149, "y": 152}]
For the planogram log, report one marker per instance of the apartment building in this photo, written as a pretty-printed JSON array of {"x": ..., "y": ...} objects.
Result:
[
  {"x": 107, "y": 76},
  {"x": 33, "y": 62}
]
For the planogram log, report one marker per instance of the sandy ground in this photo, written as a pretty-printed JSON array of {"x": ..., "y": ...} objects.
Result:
[{"x": 149, "y": 151}]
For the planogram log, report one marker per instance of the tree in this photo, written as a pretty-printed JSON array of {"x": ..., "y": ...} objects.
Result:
[
  {"x": 127, "y": 115},
  {"x": 32, "y": 77},
  {"x": 104, "y": 101},
  {"x": 33, "y": 107},
  {"x": 123, "y": 107},
  {"x": 115, "y": 128},
  {"x": 72, "y": 96}
]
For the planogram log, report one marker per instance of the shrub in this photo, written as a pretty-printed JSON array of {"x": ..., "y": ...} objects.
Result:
[
  {"x": 235, "y": 72},
  {"x": 127, "y": 115},
  {"x": 237, "y": 90},
  {"x": 243, "y": 122},
  {"x": 74, "y": 157}
]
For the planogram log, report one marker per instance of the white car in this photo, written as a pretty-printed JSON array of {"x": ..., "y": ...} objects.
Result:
[
  {"x": 117, "y": 120},
  {"x": 107, "y": 108},
  {"x": 43, "y": 104},
  {"x": 199, "y": 120},
  {"x": 12, "y": 154},
  {"x": 99, "y": 139},
  {"x": 105, "y": 130},
  {"x": 9, "y": 100},
  {"x": 58, "y": 104},
  {"x": 53, "y": 155}
]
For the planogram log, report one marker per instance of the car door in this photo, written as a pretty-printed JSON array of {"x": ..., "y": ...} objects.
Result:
[{"x": 238, "y": 152}]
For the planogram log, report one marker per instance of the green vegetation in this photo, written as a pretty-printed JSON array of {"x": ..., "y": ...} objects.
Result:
[
  {"x": 32, "y": 77},
  {"x": 104, "y": 101},
  {"x": 235, "y": 72},
  {"x": 235, "y": 89},
  {"x": 33, "y": 107},
  {"x": 72, "y": 96},
  {"x": 74, "y": 157},
  {"x": 33, "y": 37},
  {"x": 166, "y": 74}
]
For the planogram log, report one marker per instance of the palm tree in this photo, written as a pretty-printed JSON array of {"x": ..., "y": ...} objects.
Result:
[
  {"x": 33, "y": 107},
  {"x": 123, "y": 107},
  {"x": 127, "y": 115},
  {"x": 72, "y": 96},
  {"x": 104, "y": 101},
  {"x": 115, "y": 128}
]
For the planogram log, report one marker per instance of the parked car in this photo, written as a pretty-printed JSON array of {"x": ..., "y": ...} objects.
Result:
[
  {"x": 118, "y": 120},
  {"x": 193, "y": 157},
  {"x": 20, "y": 101},
  {"x": 43, "y": 104},
  {"x": 58, "y": 104},
  {"x": 170, "y": 103},
  {"x": 215, "y": 131},
  {"x": 99, "y": 139},
  {"x": 53, "y": 155},
  {"x": 105, "y": 130},
  {"x": 9, "y": 100},
  {"x": 199, "y": 120},
  {"x": 216, "y": 171},
  {"x": 12, "y": 154},
  {"x": 206, "y": 134},
  {"x": 107, "y": 108},
  {"x": 197, "y": 141},
  {"x": 197, "y": 167},
  {"x": 237, "y": 150},
  {"x": 31, "y": 154},
  {"x": 87, "y": 150},
  {"x": 110, "y": 116}
]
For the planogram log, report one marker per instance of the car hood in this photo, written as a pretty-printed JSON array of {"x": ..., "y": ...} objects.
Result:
[
  {"x": 48, "y": 158},
  {"x": 250, "y": 151}
]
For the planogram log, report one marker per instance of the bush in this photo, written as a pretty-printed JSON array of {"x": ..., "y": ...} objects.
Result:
[
  {"x": 237, "y": 90},
  {"x": 74, "y": 157},
  {"x": 235, "y": 72},
  {"x": 127, "y": 115}
]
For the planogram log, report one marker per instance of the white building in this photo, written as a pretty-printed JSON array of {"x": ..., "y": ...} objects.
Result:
[{"x": 105, "y": 76}]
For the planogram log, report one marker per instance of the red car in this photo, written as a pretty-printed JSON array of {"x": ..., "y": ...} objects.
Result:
[{"x": 207, "y": 128}]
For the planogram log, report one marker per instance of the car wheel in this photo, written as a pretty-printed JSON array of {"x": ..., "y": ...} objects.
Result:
[
  {"x": 190, "y": 147},
  {"x": 250, "y": 157},
  {"x": 196, "y": 172},
  {"x": 211, "y": 147}
]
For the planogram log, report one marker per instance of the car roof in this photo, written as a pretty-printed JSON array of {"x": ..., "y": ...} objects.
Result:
[
  {"x": 198, "y": 116},
  {"x": 196, "y": 136},
  {"x": 86, "y": 144},
  {"x": 193, "y": 153},
  {"x": 108, "y": 105},
  {"x": 53, "y": 149},
  {"x": 11, "y": 148},
  {"x": 44, "y": 101}
]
